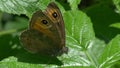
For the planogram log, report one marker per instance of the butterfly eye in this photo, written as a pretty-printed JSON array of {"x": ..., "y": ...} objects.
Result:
[
  {"x": 54, "y": 14},
  {"x": 44, "y": 22}
]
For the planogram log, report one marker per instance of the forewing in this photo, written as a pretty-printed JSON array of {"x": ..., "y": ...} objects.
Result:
[{"x": 53, "y": 12}]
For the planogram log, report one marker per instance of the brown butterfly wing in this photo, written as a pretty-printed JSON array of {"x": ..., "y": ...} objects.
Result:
[
  {"x": 44, "y": 35},
  {"x": 40, "y": 37},
  {"x": 55, "y": 16}
]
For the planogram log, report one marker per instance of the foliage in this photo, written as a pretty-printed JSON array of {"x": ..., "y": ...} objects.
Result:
[{"x": 92, "y": 34}]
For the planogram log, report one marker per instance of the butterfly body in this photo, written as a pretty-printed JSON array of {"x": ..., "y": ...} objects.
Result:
[{"x": 46, "y": 33}]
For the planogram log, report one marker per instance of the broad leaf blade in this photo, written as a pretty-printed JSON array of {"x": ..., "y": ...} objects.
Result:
[
  {"x": 111, "y": 53},
  {"x": 79, "y": 33},
  {"x": 78, "y": 28},
  {"x": 22, "y": 7}
]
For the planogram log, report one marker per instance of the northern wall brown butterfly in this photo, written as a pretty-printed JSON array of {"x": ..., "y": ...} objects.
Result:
[{"x": 46, "y": 32}]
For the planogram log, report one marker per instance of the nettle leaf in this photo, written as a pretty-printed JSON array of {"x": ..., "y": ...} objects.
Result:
[
  {"x": 79, "y": 35},
  {"x": 22, "y": 6},
  {"x": 78, "y": 28},
  {"x": 111, "y": 53},
  {"x": 74, "y": 4}
]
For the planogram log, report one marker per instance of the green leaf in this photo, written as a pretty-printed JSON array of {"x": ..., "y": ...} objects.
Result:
[
  {"x": 111, "y": 53},
  {"x": 79, "y": 35},
  {"x": 115, "y": 25},
  {"x": 117, "y": 4},
  {"x": 78, "y": 28},
  {"x": 22, "y": 7},
  {"x": 94, "y": 51},
  {"x": 74, "y": 4}
]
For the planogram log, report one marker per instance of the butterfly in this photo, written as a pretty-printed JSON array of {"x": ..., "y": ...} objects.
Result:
[{"x": 46, "y": 33}]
